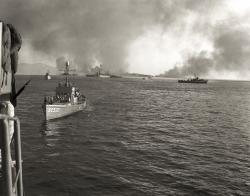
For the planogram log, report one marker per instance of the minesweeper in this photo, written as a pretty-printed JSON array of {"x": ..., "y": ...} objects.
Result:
[{"x": 67, "y": 99}]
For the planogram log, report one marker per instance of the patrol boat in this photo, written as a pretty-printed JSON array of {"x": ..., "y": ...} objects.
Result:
[
  {"x": 67, "y": 99},
  {"x": 196, "y": 80},
  {"x": 47, "y": 76}
]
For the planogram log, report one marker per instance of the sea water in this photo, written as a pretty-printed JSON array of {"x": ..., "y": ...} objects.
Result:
[{"x": 138, "y": 137}]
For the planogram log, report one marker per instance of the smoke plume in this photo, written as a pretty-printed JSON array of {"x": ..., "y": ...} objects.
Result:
[
  {"x": 84, "y": 31},
  {"x": 134, "y": 35},
  {"x": 231, "y": 54}
]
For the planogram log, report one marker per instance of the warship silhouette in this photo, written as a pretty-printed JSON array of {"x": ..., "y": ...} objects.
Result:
[
  {"x": 67, "y": 99},
  {"x": 196, "y": 80}
]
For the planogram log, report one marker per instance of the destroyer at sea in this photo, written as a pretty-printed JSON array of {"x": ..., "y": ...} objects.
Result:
[
  {"x": 67, "y": 99},
  {"x": 196, "y": 80}
]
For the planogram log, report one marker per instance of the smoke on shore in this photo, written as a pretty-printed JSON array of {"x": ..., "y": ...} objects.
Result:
[{"x": 133, "y": 35}]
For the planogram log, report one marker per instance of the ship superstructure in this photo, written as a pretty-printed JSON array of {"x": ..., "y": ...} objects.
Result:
[
  {"x": 67, "y": 99},
  {"x": 47, "y": 76}
]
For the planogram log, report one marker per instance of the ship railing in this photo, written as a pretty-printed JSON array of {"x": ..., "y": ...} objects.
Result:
[{"x": 12, "y": 183}]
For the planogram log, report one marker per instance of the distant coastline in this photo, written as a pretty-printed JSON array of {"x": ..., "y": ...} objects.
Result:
[{"x": 39, "y": 69}]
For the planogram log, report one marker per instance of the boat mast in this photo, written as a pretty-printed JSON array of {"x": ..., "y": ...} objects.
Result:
[{"x": 66, "y": 72}]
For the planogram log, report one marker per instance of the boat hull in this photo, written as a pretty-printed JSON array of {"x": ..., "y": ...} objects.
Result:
[
  {"x": 54, "y": 111},
  {"x": 194, "y": 82},
  {"x": 48, "y": 77}
]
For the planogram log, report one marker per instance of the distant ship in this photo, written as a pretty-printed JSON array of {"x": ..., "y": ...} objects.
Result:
[
  {"x": 47, "y": 76},
  {"x": 67, "y": 100},
  {"x": 99, "y": 75},
  {"x": 196, "y": 80}
]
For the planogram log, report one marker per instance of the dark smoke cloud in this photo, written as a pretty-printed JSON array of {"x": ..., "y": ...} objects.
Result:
[
  {"x": 86, "y": 31},
  {"x": 232, "y": 53},
  {"x": 195, "y": 65},
  {"x": 82, "y": 29},
  {"x": 232, "y": 50}
]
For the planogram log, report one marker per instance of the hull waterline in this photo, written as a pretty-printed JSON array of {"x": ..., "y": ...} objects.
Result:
[
  {"x": 194, "y": 82},
  {"x": 54, "y": 111}
]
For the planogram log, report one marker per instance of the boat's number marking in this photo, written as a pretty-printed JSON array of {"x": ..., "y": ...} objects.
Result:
[{"x": 53, "y": 110}]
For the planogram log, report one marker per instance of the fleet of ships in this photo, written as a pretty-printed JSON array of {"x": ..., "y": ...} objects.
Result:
[{"x": 68, "y": 99}]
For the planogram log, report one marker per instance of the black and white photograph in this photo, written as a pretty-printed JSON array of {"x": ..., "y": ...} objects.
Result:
[{"x": 125, "y": 98}]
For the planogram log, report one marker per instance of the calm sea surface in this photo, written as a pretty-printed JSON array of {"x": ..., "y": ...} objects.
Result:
[{"x": 138, "y": 137}]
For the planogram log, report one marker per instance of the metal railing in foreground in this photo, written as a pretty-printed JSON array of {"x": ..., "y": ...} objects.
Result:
[{"x": 11, "y": 170}]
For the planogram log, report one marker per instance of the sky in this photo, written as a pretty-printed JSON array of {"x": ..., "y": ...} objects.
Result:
[{"x": 175, "y": 38}]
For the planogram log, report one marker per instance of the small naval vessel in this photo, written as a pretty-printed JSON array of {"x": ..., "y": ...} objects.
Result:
[
  {"x": 196, "y": 80},
  {"x": 67, "y": 99},
  {"x": 47, "y": 76},
  {"x": 99, "y": 75}
]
